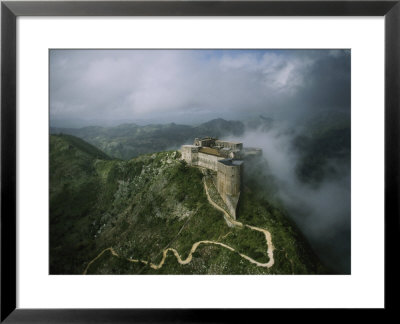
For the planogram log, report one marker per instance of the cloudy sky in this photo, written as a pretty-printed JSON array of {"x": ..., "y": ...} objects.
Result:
[{"x": 109, "y": 87}]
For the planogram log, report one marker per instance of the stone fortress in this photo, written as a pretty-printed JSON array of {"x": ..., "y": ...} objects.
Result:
[{"x": 226, "y": 159}]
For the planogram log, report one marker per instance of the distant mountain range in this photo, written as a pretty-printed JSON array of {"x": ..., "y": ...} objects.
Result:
[
  {"x": 325, "y": 138},
  {"x": 130, "y": 140}
]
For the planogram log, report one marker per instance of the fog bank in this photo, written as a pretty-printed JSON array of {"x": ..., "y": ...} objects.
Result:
[{"x": 321, "y": 212}]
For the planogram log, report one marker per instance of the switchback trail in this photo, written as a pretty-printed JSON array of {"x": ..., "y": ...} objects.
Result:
[
  {"x": 234, "y": 222},
  {"x": 228, "y": 218}
]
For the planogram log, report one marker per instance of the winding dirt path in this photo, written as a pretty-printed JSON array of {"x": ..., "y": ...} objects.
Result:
[
  {"x": 234, "y": 222},
  {"x": 229, "y": 219}
]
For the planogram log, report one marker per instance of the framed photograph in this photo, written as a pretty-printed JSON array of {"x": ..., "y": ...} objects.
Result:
[{"x": 163, "y": 158}]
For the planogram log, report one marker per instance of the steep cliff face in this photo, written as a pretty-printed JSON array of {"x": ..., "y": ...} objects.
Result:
[{"x": 136, "y": 209}]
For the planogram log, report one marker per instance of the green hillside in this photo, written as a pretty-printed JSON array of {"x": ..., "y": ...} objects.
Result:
[
  {"x": 136, "y": 209},
  {"x": 130, "y": 140}
]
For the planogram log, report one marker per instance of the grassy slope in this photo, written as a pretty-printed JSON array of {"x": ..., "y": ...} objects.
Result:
[
  {"x": 73, "y": 193},
  {"x": 139, "y": 206}
]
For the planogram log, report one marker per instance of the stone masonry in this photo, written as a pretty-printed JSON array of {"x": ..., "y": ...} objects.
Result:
[{"x": 223, "y": 157}]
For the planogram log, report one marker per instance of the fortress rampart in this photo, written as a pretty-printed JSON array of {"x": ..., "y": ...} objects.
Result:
[
  {"x": 194, "y": 156},
  {"x": 223, "y": 157},
  {"x": 229, "y": 176},
  {"x": 229, "y": 180}
]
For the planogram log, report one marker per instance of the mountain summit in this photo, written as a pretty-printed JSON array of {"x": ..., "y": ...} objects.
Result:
[{"x": 155, "y": 214}]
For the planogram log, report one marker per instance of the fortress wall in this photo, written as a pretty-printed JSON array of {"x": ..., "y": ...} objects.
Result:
[
  {"x": 229, "y": 172},
  {"x": 252, "y": 152},
  {"x": 228, "y": 184},
  {"x": 231, "y": 145},
  {"x": 186, "y": 153},
  {"x": 190, "y": 153},
  {"x": 208, "y": 161},
  {"x": 206, "y": 142},
  {"x": 231, "y": 202},
  {"x": 229, "y": 179}
]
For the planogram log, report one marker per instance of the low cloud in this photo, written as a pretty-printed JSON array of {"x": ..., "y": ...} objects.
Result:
[
  {"x": 170, "y": 85},
  {"x": 322, "y": 212}
]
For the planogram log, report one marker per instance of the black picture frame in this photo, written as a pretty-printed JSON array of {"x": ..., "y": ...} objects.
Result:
[{"x": 10, "y": 10}]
